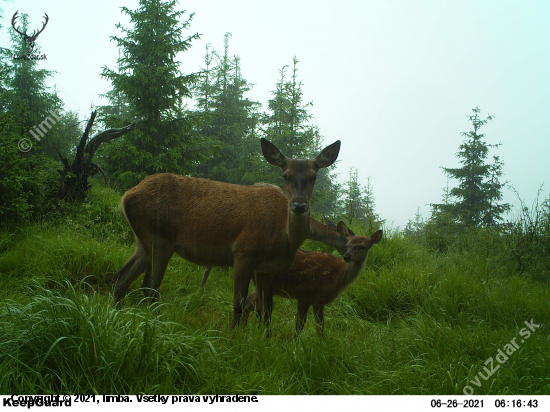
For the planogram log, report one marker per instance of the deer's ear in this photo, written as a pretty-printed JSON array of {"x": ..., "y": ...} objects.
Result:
[
  {"x": 343, "y": 229},
  {"x": 376, "y": 237},
  {"x": 272, "y": 154},
  {"x": 327, "y": 156}
]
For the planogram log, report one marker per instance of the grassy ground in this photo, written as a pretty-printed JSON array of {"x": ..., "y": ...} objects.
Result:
[{"x": 414, "y": 322}]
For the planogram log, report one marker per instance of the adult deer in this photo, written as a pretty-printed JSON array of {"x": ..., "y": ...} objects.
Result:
[
  {"x": 326, "y": 234},
  {"x": 251, "y": 228},
  {"x": 317, "y": 278}
]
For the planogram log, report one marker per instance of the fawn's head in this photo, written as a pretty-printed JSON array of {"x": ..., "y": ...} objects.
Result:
[
  {"x": 342, "y": 240},
  {"x": 299, "y": 175},
  {"x": 358, "y": 246}
]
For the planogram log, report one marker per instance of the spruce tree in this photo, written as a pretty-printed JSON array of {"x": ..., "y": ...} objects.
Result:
[
  {"x": 415, "y": 228},
  {"x": 353, "y": 198},
  {"x": 205, "y": 88},
  {"x": 28, "y": 176},
  {"x": 25, "y": 94},
  {"x": 231, "y": 117},
  {"x": 288, "y": 123},
  {"x": 150, "y": 79},
  {"x": 479, "y": 190},
  {"x": 358, "y": 201},
  {"x": 118, "y": 113}
]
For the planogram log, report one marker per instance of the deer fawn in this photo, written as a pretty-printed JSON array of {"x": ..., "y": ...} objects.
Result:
[
  {"x": 251, "y": 228},
  {"x": 317, "y": 278},
  {"x": 326, "y": 234}
]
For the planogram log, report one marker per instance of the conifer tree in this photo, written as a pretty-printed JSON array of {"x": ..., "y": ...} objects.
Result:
[
  {"x": 150, "y": 80},
  {"x": 479, "y": 190},
  {"x": 232, "y": 117},
  {"x": 415, "y": 228},
  {"x": 288, "y": 124},
  {"x": 28, "y": 175},
  {"x": 358, "y": 201},
  {"x": 118, "y": 112},
  {"x": 205, "y": 88},
  {"x": 25, "y": 94}
]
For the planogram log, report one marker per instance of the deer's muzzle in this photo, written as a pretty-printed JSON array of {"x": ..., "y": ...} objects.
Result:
[{"x": 299, "y": 207}]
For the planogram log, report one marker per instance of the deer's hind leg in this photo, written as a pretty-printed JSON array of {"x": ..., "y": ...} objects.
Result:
[
  {"x": 131, "y": 270},
  {"x": 146, "y": 284},
  {"x": 163, "y": 250}
]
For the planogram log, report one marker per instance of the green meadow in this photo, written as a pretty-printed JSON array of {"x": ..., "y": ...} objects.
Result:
[{"x": 416, "y": 321}]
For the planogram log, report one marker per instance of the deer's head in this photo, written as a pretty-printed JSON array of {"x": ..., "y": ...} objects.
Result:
[
  {"x": 299, "y": 175},
  {"x": 358, "y": 246}
]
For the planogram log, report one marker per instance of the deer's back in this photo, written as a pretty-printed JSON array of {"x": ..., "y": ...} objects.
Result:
[
  {"x": 205, "y": 217},
  {"x": 315, "y": 276}
]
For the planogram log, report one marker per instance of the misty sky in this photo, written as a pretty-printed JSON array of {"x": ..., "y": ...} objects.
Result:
[{"x": 395, "y": 81}]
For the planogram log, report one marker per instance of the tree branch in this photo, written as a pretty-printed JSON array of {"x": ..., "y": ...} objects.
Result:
[
  {"x": 106, "y": 136},
  {"x": 81, "y": 146}
]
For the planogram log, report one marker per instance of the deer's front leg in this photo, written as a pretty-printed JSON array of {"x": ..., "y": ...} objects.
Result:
[
  {"x": 264, "y": 283},
  {"x": 243, "y": 271}
]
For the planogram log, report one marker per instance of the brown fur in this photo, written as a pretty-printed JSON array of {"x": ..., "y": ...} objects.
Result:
[
  {"x": 326, "y": 234},
  {"x": 317, "y": 278},
  {"x": 252, "y": 228}
]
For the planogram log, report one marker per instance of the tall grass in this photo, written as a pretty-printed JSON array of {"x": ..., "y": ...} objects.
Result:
[
  {"x": 73, "y": 342},
  {"x": 414, "y": 322}
]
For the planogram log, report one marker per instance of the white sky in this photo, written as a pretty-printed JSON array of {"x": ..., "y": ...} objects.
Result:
[{"x": 394, "y": 80}]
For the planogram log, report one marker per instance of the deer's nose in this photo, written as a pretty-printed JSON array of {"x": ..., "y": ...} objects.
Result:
[
  {"x": 299, "y": 207},
  {"x": 347, "y": 257}
]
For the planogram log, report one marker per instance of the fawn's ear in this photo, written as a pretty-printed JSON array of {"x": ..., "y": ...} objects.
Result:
[
  {"x": 343, "y": 229},
  {"x": 376, "y": 237},
  {"x": 272, "y": 154},
  {"x": 348, "y": 232},
  {"x": 327, "y": 156}
]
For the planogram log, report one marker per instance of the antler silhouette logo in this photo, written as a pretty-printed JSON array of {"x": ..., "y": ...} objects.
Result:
[{"x": 32, "y": 38}]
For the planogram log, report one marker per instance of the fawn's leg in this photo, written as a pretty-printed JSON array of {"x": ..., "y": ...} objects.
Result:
[
  {"x": 319, "y": 317},
  {"x": 303, "y": 307}
]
